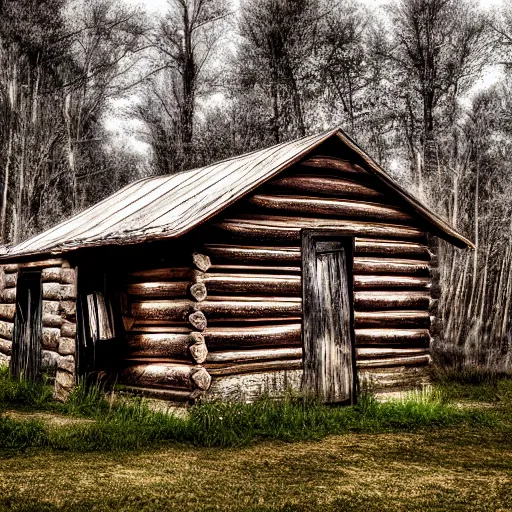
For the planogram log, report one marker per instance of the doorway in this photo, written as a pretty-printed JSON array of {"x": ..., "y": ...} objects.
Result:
[
  {"x": 28, "y": 327},
  {"x": 327, "y": 329}
]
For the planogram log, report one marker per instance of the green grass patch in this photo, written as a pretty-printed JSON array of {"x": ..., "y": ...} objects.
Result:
[{"x": 473, "y": 383}]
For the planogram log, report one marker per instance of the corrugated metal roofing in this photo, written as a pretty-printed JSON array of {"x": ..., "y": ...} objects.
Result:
[{"x": 169, "y": 206}]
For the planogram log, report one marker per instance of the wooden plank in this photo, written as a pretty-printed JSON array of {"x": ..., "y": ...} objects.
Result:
[
  {"x": 239, "y": 356},
  {"x": 326, "y": 185},
  {"x": 270, "y": 228},
  {"x": 363, "y": 282},
  {"x": 392, "y": 336},
  {"x": 397, "y": 319},
  {"x": 327, "y": 325},
  {"x": 247, "y": 336},
  {"x": 371, "y": 300},
  {"x": 328, "y": 207}
]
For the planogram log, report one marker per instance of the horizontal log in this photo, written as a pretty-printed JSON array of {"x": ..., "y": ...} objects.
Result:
[
  {"x": 256, "y": 307},
  {"x": 419, "y": 360},
  {"x": 10, "y": 280},
  {"x": 52, "y": 320},
  {"x": 258, "y": 336},
  {"x": 253, "y": 284},
  {"x": 236, "y": 369},
  {"x": 253, "y": 254},
  {"x": 5, "y": 347},
  {"x": 328, "y": 207},
  {"x": 159, "y": 289},
  {"x": 10, "y": 267},
  {"x": 172, "y": 395},
  {"x": 270, "y": 228},
  {"x": 368, "y": 300},
  {"x": 7, "y": 311},
  {"x": 327, "y": 185},
  {"x": 398, "y": 319},
  {"x": 68, "y": 330},
  {"x": 249, "y": 386},
  {"x": 51, "y": 307},
  {"x": 50, "y": 338},
  {"x": 160, "y": 326},
  {"x": 53, "y": 262},
  {"x": 6, "y": 330},
  {"x": 67, "y": 346},
  {"x": 399, "y": 377},
  {"x": 372, "y": 265},
  {"x": 51, "y": 291},
  {"x": 51, "y": 275},
  {"x": 165, "y": 345},
  {"x": 9, "y": 296},
  {"x": 242, "y": 356},
  {"x": 391, "y": 282},
  {"x": 165, "y": 274},
  {"x": 256, "y": 269},
  {"x": 393, "y": 336},
  {"x": 328, "y": 162},
  {"x": 68, "y": 276},
  {"x": 215, "y": 308},
  {"x": 165, "y": 375},
  {"x": 391, "y": 248},
  {"x": 67, "y": 309},
  {"x": 379, "y": 353}
]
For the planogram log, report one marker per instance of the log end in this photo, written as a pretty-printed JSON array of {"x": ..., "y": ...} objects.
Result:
[
  {"x": 198, "y": 291},
  {"x": 198, "y": 320},
  {"x": 201, "y": 378},
  {"x": 201, "y": 261},
  {"x": 199, "y": 352}
]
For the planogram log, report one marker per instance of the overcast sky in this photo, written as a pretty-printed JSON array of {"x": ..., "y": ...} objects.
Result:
[{"x": 124, "y": 128}]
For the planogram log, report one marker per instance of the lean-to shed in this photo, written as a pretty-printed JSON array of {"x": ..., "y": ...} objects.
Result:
[{"x": 301, "y": 266}]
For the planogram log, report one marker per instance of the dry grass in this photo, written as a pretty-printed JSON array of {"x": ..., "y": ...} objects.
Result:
[{"x": 445, "y": 470}]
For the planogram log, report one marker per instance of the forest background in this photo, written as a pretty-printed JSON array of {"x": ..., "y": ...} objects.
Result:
[{"x": 97, "y": 93}]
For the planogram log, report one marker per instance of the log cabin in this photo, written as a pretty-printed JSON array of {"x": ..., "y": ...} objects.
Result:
[{"x": 302, "y": 267}]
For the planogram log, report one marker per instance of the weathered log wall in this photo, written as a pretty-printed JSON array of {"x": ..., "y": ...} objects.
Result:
[
  {"x": 59, "y": 318},
  {"x": 235, "y": 312}
]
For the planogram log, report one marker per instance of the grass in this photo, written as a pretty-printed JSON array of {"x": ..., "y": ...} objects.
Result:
[
  {"x": 423, "y": 452},
  {"x": 132, "y": 425}
]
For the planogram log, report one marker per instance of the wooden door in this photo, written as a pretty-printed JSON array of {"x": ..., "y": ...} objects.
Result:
[
  {"x": 329, "y": 359},
  {"x": 26, "y": 349}
]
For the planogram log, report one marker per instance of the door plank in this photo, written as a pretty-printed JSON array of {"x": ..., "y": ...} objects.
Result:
[{"x": 328, "y": 328}]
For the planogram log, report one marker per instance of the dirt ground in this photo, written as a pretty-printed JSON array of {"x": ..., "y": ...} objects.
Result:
[{"x": 445, "y": 470}]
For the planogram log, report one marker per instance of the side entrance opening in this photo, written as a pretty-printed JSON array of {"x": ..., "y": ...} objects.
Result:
[
  {"x": 328, "y": 317},
  {"x": 28, "y": 327}
]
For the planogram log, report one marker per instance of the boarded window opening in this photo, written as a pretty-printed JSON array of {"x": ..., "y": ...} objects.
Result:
[{"x": 26, "y": 350}]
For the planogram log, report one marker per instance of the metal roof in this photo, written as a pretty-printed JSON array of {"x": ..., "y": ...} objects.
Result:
[{"x": 169, "y": 206}]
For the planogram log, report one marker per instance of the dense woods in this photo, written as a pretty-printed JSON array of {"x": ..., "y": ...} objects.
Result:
[{"x": 205, "y": 80}]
